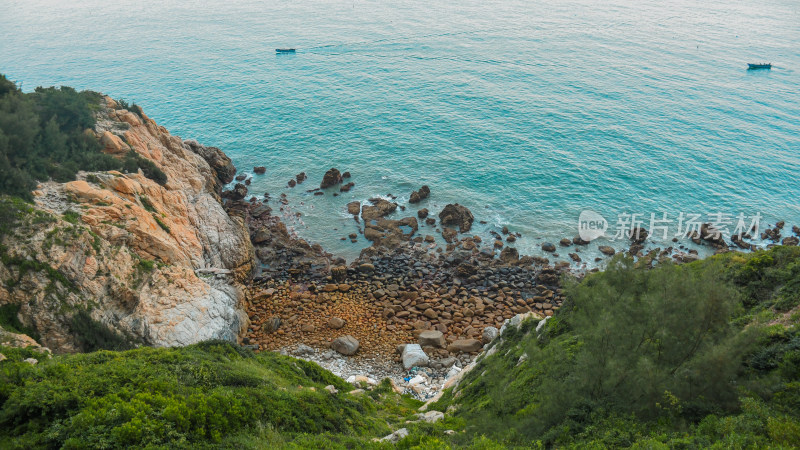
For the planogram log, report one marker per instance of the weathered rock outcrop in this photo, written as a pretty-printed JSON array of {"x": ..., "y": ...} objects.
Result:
[
  {"x": 162, "y": 264},
  {"x": 332, "y": 177},
  {"x": 457, "y": 215}
]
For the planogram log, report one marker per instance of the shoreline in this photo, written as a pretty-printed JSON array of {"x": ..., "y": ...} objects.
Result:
[{"x": 407, "y": 283}]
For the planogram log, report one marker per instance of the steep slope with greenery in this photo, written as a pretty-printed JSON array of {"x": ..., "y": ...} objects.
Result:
[{"x": 679, "y": 356}]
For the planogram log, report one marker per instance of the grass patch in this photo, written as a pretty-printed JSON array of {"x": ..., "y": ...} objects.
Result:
[
  {"x": 71, "y": 216},
  {"x": 161, "y": 223}
]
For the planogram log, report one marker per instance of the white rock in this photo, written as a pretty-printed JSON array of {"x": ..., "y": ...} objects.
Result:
[
  {"x": 303, "y": 349},
  {"x": 414, "y": 356},
  {"x": 396, "y": 436},
  {"x": 453, "y": 372},
  {"x": 431, "y": 416},
  {"x": 395, "y": 387},
  {"x": 330, "y": 388},
  {"x": 489, "y": 334},
  {"x": 541, "y": 324},
  {"x": 517, "y": 320},
  {"x": 31, "y": 361},
  {"x": 2, "y": 357},
  {"x": 419, "y": 379}
]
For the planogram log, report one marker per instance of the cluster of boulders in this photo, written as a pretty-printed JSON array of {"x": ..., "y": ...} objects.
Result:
[{"x": 443, "y": 303}]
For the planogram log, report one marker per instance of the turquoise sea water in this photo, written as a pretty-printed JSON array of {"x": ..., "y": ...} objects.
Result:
[{"x": 528, "y": 112}]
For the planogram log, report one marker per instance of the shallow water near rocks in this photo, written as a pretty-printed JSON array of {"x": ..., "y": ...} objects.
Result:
[{"x": 527, "y": 112}]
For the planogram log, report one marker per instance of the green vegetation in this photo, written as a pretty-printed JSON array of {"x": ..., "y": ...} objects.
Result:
[
  {"x": 161, "y": 223},
  {"x": 92, "y": 335},
  {"x": 676, "y": 356},
  {"x": 43, "y": 136},
  {"x": 147, "y": 265},
  {"x": 133, "y": 107},
  {"x": 10, "y": 322},
  {"x": 71, "y": 216},
  {"x": 206, "y": 395}
]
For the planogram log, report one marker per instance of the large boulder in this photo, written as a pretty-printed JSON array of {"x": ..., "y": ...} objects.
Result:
[
  {"x": 331, "y": 178},
  {"x": 431, "y": 338},
  {"x": 354, "y": 208},
  {"x": 336, "y": 323},
  {"x": 489, "y": 334},
  {"x": 346, "y": 345},
  {"x": 638, "y": 235},
  {"x": 396, "y": 436},
  {"x": 457, "y": 215},
  {"x": 391, "y": 233},
  {"x": 413, "y": 356},
  {"x": 509, "y": 255},
  {"x": 791, "y": 240},
  {"x": 606, "y": 250},
  {"x": 712, "y": 235},
  {"x": 465, "y": 346}
]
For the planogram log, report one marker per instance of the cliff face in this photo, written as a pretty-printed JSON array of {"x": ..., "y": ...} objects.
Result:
[{"x": 163, "y": 264}]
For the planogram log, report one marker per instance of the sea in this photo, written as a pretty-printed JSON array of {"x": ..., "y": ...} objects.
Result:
[{"x": 528, "y": 112}]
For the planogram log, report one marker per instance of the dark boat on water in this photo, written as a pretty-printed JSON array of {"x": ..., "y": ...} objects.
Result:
[
  {"x": 759, "y": 66},
  {"x": 285, "y": 50}
]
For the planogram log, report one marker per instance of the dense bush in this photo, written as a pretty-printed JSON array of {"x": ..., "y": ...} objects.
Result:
[
  {"x": 182, "y": 397},
  {"x": 680, "y": 356},
  {"x": 9, "y": 321},
  {"x": 42, "y": 137},
  {"x": 92, "y": 335}
]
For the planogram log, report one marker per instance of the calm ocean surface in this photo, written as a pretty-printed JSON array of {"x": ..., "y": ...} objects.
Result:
[{"x": 528, "y": 112}]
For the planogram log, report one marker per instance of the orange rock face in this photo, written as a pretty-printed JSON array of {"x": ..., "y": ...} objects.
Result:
[{"x": 165, "y": 264}]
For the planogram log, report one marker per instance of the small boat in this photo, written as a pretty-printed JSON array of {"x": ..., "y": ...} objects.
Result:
[
  {"x": 285, "y": 50},
  {"x": 759, "y": 66}
]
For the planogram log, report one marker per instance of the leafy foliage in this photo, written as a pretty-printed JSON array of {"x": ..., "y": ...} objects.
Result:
[
  {"x": 92, "y": 335},
  {"x": 10, "y": 321},
  {"x": 180, "y": 397}
]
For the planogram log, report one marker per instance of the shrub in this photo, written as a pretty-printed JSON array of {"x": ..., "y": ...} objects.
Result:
[
  {"x": 92, "y": 335},
  {"x": 9, "y": 320}
]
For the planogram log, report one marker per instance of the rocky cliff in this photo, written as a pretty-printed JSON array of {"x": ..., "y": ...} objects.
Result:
[{"x": 161, "y": 263}]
